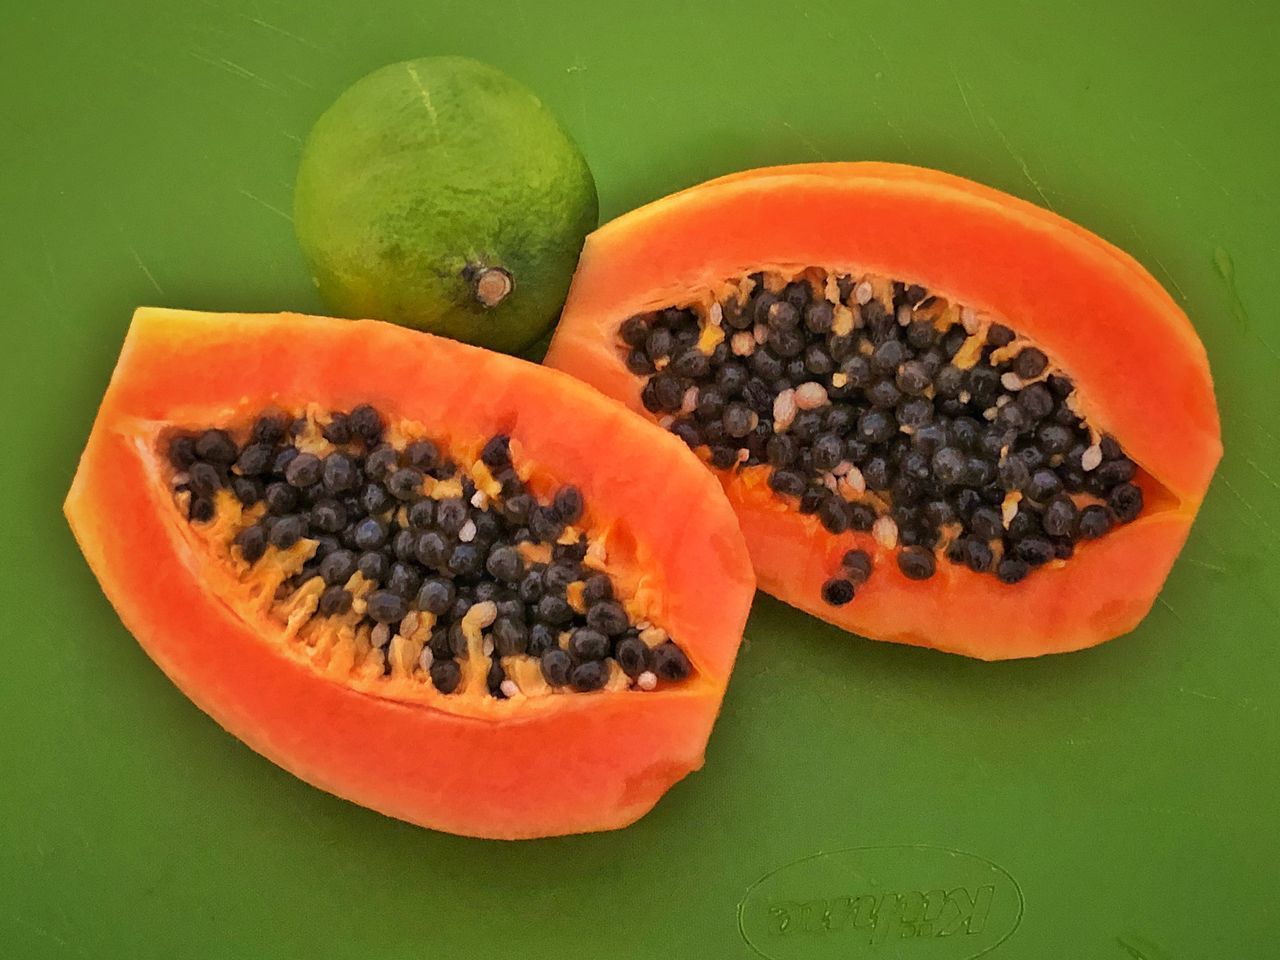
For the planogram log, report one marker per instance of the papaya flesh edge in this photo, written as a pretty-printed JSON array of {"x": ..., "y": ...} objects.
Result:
[
  {"x": 533, "y": 767},
  {"x": 1140, "y": 371}
]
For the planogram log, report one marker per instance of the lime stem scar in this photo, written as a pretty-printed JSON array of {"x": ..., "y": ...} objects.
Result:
[{"x": 489, "y": 285}]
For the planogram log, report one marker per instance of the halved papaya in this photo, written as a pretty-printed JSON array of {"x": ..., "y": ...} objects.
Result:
[
  {"x": 945, "y": 417},
  {"x": 461, "y": 589}
]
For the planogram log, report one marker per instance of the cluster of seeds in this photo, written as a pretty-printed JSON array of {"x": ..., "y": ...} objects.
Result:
[
  {"x": 409, "y": 542},
  {"x": 881, "y": 408}
]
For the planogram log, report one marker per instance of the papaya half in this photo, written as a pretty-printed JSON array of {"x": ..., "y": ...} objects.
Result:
[
  {"x": 944, "y": 416},
  {"x": 461, "y": 589}
]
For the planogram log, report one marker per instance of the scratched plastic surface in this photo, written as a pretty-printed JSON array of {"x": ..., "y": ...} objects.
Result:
[{"x": 1128, "y": 794}]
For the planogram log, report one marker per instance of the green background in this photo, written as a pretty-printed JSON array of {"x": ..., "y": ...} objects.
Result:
[{"x": 146, "y": 156}]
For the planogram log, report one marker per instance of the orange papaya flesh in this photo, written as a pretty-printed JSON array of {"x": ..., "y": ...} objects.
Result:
[
  {"x": 463, "y": 708},
  {"x": 972, "y": 285}
]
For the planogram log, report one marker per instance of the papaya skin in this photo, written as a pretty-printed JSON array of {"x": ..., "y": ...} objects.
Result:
[
  {"x": 1140, "y": 371},
  {"x": 506, "y": 769}
]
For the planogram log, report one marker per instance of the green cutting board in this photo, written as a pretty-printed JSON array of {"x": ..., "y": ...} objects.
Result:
[{"x": 1113, "y": 804}]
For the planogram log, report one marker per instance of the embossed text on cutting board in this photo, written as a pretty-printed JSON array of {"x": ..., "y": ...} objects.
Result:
[{"x": 885, "y": 902}]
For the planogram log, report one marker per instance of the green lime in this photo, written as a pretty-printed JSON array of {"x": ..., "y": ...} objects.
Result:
[{"x": 440, "y": 194}]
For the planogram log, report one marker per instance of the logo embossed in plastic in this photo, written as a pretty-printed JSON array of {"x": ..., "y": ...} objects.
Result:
[{"x": 882, "y": 902}]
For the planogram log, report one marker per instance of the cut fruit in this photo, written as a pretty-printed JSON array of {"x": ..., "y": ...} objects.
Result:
[
  {"x": 1005, "y": 415},
  {"x": 461, "y": 589}
]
